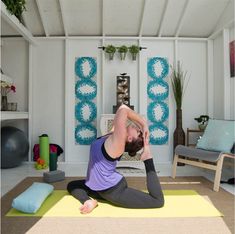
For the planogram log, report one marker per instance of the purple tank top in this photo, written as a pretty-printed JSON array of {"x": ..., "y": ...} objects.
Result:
[{"x": 101, "y": 173}]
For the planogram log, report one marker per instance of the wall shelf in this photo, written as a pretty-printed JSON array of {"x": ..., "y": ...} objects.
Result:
[{"x": 10, "y": 115}]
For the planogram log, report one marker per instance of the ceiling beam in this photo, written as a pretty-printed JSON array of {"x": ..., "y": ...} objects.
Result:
[
  {"x": 40, "y": 11},
  {"x": 63, "y": 17},
  {"x": 163, "y": 18},
  {"x": 181, "y": 20},
  {"x": 142, "y": 17},
  {"x": 14, "y": 22},
  {"x": 154, "y": 38}
]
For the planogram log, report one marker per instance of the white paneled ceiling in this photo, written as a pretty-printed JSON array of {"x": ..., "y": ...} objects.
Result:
[
  {"x": 155, "y": 18},
  {"x": 82, "y": 17}
]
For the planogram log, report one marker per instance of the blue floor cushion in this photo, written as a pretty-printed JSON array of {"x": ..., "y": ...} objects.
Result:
[{"x": 32, "y": 198}]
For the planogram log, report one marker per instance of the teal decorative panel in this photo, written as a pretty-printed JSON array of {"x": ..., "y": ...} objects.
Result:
[
  {"x": 158, "y": 92},
  {"x": 85, "y": 100}
]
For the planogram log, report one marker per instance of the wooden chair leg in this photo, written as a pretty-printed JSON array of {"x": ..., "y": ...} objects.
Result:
[
  {"x": 174, "y": 166},
  {"x": 218, "y": 174}
]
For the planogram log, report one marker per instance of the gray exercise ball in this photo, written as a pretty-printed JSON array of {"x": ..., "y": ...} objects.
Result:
[{"x": 14, "y": 147}]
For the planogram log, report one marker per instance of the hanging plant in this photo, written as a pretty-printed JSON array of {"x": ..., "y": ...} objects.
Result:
[
  {"x": 15, "y": 7},
  {"x": 122, "y": 51},
  {"x": 110, "y": 50},
  {"x": 134, "y": 50}
]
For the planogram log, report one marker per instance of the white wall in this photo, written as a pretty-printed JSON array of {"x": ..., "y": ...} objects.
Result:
[
  {"x": 48, "y": 91},
  {"x": 193, "y": 55},
  {"x": 14, "y": 63},
  {"x": 218, "y": 79},
  {"x": 224, "y": 85},
  {"x": 232, "y": 86},
  {"x": 51, "y": 60}
]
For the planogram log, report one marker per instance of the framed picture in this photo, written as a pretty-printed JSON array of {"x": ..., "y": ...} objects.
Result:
[{"x": 232, "y": 58}]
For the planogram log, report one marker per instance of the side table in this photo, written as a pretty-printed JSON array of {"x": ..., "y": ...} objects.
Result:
[{"x": 190, "y": 132}]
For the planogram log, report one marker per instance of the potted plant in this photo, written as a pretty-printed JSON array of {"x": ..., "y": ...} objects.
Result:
[
  {"x": 122, "y": 51},
  {"x": 110, "y": 50},
  {"x": 134, "y": 50},
  {"x": 202, "y": 121},
  {"x": 15, "y": 7},
  {"x": 178, "y": 79}
]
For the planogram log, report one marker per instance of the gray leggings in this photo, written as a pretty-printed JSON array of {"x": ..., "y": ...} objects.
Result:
[{"x": 121, "y": 195}]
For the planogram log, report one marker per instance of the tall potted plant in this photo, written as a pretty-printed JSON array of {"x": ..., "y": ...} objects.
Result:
[
  {"x": 15, "y": 7},
  {"x": 178, "y": 82}
]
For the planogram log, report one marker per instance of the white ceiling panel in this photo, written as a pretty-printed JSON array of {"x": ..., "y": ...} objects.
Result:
[
  {"x": 173, "y": 14},
  {"x": 201, "y": 17},
  {"x": 52, "y": 17},
  {"x": 122, "y": 17},
  {"x": 83, "y": 17},
  {"x": 152, "y": 18},
  {"x": 32, "y": 19},
  {"x": 6, "y": 29}
]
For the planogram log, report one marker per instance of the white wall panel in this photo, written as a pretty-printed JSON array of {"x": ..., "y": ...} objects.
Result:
[
  {"x": 192, "y": 55},
  {"x": 218, "y": 79},
  {"x": 48, "y": 91},
  {"x": 14, "y": 63}
]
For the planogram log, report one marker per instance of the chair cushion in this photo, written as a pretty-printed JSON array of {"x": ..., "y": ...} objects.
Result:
[
  {"x": 32, "y": 198},
  {"x": 218, "y": 136},
  {"x": 211, "y": 156}
]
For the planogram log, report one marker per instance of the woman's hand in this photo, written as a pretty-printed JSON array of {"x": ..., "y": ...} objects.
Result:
[
  {"x": 146, "y": 154},
  {"x": 145, "y": 130}
]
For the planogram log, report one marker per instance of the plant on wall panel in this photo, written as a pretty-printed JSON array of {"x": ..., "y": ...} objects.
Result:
[
  {"x": 122, "y": 51},
  {"x": 110, "y": 50},
  {"x": 134, "y": 50}
]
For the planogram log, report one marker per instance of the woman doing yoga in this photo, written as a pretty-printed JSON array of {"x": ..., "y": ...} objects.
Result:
[{"x": 104, "y": 182}]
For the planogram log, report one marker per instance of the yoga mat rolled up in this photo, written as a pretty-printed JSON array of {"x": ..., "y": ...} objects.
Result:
[
  {"x": 53, "y": 162},
  {"x": 44, "y": 148}
]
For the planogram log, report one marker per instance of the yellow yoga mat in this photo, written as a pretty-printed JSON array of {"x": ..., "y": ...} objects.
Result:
[{"x": 178, "y": 203}]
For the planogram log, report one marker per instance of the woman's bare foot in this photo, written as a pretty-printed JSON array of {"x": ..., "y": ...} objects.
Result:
[{"x": 88, "y": 206}]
